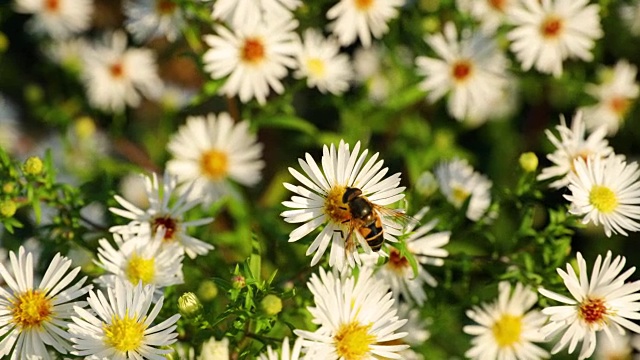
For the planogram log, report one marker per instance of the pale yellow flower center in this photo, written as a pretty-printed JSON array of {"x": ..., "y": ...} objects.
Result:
[
  {"x": 353, "y": 341},
  {"x": 551, "y": 27},
  {"x": 461, "y": 70},
  {"x": 603, "y": 199},
  {"x": 124, "y": 334},
  {"x": 253, "y": 50},
  {"x": 592, "y": 311},
  {"x": 140, "y": 269},
  {"x": 334, "y": 208},
  {"x": 459, "y": 195},
  {"x": 214, "y": 164},
  {"x": 31, "y": 309},
  {"x": 316, "y": 67},
  {"x": 507, "y": 330},
  {"x": 363, "y": 5},
  {"x": 165, "y": 7}
]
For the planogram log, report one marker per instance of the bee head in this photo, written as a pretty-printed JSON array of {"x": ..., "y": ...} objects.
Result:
[{"x": 350, "y": 194}]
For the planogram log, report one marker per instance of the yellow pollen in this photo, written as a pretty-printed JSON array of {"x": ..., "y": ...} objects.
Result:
[
  {"x": 507, "y": 330},
  {"x": 603, "y": 199},
  {"x": 459, "y": 194},
  {"x": 31, "y": 309},
  {"x": 316, "y": 67},
  {"x": 363, "y": 5},
  {"x": 592, "y": 311},
  {"x": 140, "y": 269},
  {"x": 353, "y": 341},
  {"x": 124, "y": 334},
  {"x": 334, "y": 208},
  {"x": 252, "y": 51},
  {"x": 215, "y": 164},
  {"x": 551, "y": 27}
]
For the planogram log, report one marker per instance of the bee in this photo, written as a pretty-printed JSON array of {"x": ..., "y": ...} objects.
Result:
[{"x": 366, "y": 218}]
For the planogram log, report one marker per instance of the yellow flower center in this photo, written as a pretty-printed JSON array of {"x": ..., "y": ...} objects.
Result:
[
  {"x": 551, "y": 27},
  {"x": 461, "y": 70},
  {"x": 498, "y": 5},
  {"x": 363, "y": 5},
  {"x": 253, "y": 50},
  {"x": 334, "y": 208},
  {"x": 316, "y": 67},
  {"x": 619, "y": 105},
  {"x": 31, "y": 309},
  {"x": 52, "y": 5},
  {"x": 116, "y": 70},
  {"x": 353, "y": 341},
  {"x": 165, "y": 7},
  {"x": 507, "y": 330},
  {"x": 214, "y": 164},
  {"x": 124, "y": 334},
  {"x": 603, "y": 199},
  {"x": 459, "y": 195},
  {"x": 140, "y": 269},
  {"x": 592, "y": 311}
]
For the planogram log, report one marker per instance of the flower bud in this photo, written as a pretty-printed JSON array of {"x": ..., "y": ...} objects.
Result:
[
  {"x": 528, "y": 162},
  {"x": 207, "y": 290},
  {"x": 33, "y": 166},
  {"x": 189, "y": 305},
  {"x": 238, "y": 282},
  {"x": 7, "y": 208},
  {"x": 271, "y": 304},
  {"x": 426, "y": 184}
]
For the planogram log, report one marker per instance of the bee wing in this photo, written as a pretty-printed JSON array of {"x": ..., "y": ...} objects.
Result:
[{"x": 397, "y": 216}]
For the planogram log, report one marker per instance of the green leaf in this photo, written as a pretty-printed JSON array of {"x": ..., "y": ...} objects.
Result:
[
  {"x": 290, "y": 122},
  {"x": 255, "y": 259}
]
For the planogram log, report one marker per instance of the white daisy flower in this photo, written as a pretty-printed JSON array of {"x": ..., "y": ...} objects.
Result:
[
  {"x": 68, "y": 53},
  {"x": 286, "y": 353},
  {"x": 148, "y": 19},
  {"x": 606, "y": 191},
  {"x": 507, "y": 328},
  {"x": 140, "y": 259},
  {"x": 615, "y": 96},
  {"x": 255, "y": 57},
  {"x": 210, "y": 151},
  {"x": 361, "y": 19},
  {"x": 59, "y": 19},
  {"x": 603, "y": 303},
  {"x": 546, "y": 32},
  {"x": 490, "y": 13},
  {"x": 459, "y": 183},
  {"x": 320, "y": 200},
  {"x": 572, "y": 143},
  {"x": 471, "y": 70},
  {"x": 630, "y": 14},
  {"x": 322, "y": 64},
  {"x": 163, "y": 214},
  {"x": 213, "y": 349},
  {"x": 116, "y": 76},
  {"x": 357, "y": 318},
  {"x": 36, "y": 316},
  {"x": 240, "y": 12},
  {"x": 618, "y": 346},
  {"x": 120, "y": 325},
  {"x": 426, "y": 248}
]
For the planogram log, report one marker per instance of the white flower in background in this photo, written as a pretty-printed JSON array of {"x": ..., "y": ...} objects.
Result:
[
  {"x": 427, "y": 250},
  {"x": 490, "y": 13},
  {"x": 209, "y": 152},
  {"x": 572, "y": 143},
  {"x": 507, "y": 328},
  {"x": 149, "y": 19},
  {"x": 140, "y": 259},
  {"x": 616, "y": 347},
  {"x": 319, "y": 200},
  {"x": 176, "y": 97},
  {"x": 547, "y": 32},
  {"x": 68, "y": 53},
  {"x": 471, "y": 70},
  {"x": 9, "y": 131},
  {"x": 459, "y": 183},
  {"x": 415, "y": 327},
  {"x": 630, "y": 14},
  {"x": 213, "y": 349},
  {"x": 603, "y": 303},
  {"x": 120, "y": 325},
  {"x": 240, "y": 12},
  {"x": 58, "y": 18},
  {"x": 615, "y": 96},
  {"x": 254, "y": 57},
  {"x": 133, "y": 188},
  {"x": 163, "y": 214},
  {"x": 606, "y": 191},
  {"x": 357, "y": 318},
  {"x": 34, "y": 316},
  {"x": 116, "y": 76},
  {"x": 360, "y": 19},
  {"x": 368, "y": 67},
  {"x": 322, "y": 64},
  {"x": 286, "y": 353}
]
